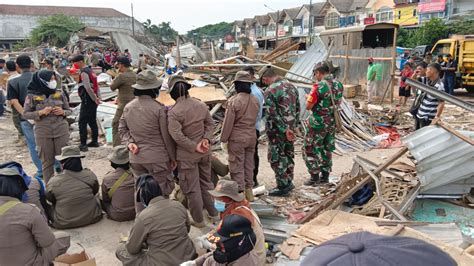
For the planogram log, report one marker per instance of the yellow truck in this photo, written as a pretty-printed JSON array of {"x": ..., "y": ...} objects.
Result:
[{"x": 462, "y": 49}]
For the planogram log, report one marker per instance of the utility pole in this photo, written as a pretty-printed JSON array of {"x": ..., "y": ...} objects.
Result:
[
  {"x": 133, "y": 22},
  {"x": 310, "y": 24},
  {"x": 278, "y": 18}
]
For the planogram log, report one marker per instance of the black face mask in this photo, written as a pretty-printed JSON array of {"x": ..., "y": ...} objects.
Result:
[
  {"x": 123, "y": 166},
  {"x": 243, "y": 87},
  {"x": 72, "y": 164},
  {"x": 153, "y": 93}
]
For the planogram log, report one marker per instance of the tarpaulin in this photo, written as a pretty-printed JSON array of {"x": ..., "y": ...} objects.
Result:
[
  {"x": 430, "y": 6},
  {"x": 393, "y": 140}
]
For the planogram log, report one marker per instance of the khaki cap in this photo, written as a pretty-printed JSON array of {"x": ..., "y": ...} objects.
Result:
[
  {"x": 175, "y": 79},
  {"x": 227, "y": 188},
  {"x": 243, "y": 76},
  {"x": 146, "y": 80},
  {"x": 119, "y": 155},
  {"x": 69, "y": 152}
]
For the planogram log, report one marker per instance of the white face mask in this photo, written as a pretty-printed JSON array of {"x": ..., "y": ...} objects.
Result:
[{"x": 52, "y": 84}]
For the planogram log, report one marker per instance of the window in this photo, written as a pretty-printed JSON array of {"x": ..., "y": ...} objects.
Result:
[
  {"x": 442, "y": 49},
  {"x": 399, "y": 14},
  {"x": 414, "y": 12},
  {"x": 384, "y": 14},
  {"x": 344, "y": 39},
  {"x": 332, "y": 20}
]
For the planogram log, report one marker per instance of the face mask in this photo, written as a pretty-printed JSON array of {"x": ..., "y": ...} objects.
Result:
[
  {"x": 52, "y": 84},
  {"x": 219, "y": 205}
]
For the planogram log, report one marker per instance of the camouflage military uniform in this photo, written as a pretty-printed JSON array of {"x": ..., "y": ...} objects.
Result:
[
  {"x": 283, "y": 110},
  {"x": 319, "y": 141}
]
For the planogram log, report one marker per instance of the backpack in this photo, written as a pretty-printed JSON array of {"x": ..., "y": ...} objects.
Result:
[{"x": 93, "y": 78}]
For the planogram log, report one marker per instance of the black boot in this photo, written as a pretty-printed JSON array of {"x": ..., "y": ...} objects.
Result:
[
  {"x": 313, "y": 181},
  {"x": 281, "y": 191},
  {"x": 83, "y": 147},
  {"x": 324, "y": 177},
  {"x": 93, "y": 144}
]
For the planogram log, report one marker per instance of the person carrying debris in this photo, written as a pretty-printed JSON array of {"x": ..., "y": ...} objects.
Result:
[
  {"x": 90, "y": 100},
  {"x": 227, "y": 192},
  {"x": 257, "y": 92},
  {"x": 123, "y": 83},
  {"x": 159, "y": 235},
  {"x": 118, "y": 187},
  {"x": 191, "y": 126},
  {"x": 320, "y": 130},
  {"x": 143, "y": 129},
  {"x": 48, "y": 107},
  {"x": 26, "y": 237},
  {"x": 238, "y": 131},
  {"x": 73, "y": 193},
  {"x": 282, "y": 114}
]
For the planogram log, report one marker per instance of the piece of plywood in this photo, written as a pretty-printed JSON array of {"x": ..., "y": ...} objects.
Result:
[
  {"x": 208, "y": 95},
  {"x": 190, "y": 75}
]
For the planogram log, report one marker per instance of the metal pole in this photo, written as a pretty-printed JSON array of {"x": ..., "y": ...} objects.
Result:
[
  {"x": 133, "y": 22},
  {"x": 278, "y": 18},
  {"x": 310, "y": 24},
  {"x": 440, "y": 95}
]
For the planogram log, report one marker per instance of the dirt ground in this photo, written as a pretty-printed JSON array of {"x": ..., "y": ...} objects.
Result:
[{"x": 101, "y": 239}]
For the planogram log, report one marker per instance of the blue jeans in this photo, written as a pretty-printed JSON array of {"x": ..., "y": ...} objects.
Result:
[
  {"x": 449, "y": 84},
  {"x": 29, "y": 133}
]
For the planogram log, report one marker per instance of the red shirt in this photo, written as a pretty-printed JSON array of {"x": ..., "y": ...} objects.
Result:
[{"x": 405, "y": 73}]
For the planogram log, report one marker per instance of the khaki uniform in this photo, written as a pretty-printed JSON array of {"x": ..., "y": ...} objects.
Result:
[
  {"x": 144, "y": 123},
  {"x": 120, "y": 205},
  {"x": 51, "y": 131},
  {"x": 249, "y": 259},
  {"x": 141, "y": 63},
  {"x": 73, "y": 195},
  {"x": 123, "y": 83},
  {"x": 163, "y": 228},
  {"x": 239, "y": 131},
  {"x": 26, "y": 238},
  {"x": 190, "y": 122}
]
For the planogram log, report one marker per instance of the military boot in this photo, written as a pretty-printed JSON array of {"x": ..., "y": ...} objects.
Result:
[
  {"x": 249, "y": 194},
  {"x": 313, "y": 181},
  {"x": 324, "y": 177}
]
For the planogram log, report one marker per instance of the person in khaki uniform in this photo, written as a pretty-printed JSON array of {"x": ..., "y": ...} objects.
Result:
[
  {"x": 239, "y": 132},
  {"x": 144, "y": 130},
  {"x": 25, "y": 236},
  {"x": 73, "y": 193},
  {"x": 191, "y": 126},
  {"x": 160, "y": 234},
  {"x": 123, "y": 83},
  {"x": 48, "y": 107},
  {"x": 234, "y": 241},
  {"x": 118, "y": 187},
  {"x": 227, "y": 192}
]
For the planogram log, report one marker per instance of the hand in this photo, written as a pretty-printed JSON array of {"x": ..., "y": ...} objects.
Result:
[
  {"x": 203, "y": 146},
  {"x": 98, "y": 101},
  {"x": 290, "y": 135},
  {"x": 205, "y": 143},
  {"x": 436, "y": 120},
  {"x": 46, "y": 111},
  {"x": 133, "y": 148},
  {"x": 58, "y": 111},
  {"x": 173, "y": 164}
]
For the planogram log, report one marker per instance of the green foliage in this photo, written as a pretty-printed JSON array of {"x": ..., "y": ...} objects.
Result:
[
  {"x": 21, "y": 45},
  {"x": 56, "y": 30},
  {"x": 163, "y": 32},
  {"x": 211, "y": 31},
  {"x": 432, "y": 31}
]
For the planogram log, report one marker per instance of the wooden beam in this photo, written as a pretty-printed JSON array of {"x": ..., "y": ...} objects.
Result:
[
  {"x": 394, "y": 55},
  {"x": 361, "y": 57},
  {"x": 346, "y": 61},
  {"x": 454, "y": 132}
]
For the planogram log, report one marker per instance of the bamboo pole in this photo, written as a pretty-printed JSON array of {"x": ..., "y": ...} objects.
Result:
[
  {"x": 392, "y": 71},
  {"x": 346, "y": 61}
]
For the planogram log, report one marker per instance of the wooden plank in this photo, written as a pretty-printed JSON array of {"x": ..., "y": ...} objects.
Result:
[
  {"x": 366, "y": 180},
  {"x": 208, "y": 95},
  {"x": 317, "y": 209},
  {"x": 361, "y": 57},
  {"x": 393, "y": 211},
  {"x": 393, "y": 66}
]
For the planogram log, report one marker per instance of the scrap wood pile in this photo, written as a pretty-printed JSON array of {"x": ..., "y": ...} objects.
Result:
[{"x": 281, "y": 50}]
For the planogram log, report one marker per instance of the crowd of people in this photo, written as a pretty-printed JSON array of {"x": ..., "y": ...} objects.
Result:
[{"x": 156, "y": 147}]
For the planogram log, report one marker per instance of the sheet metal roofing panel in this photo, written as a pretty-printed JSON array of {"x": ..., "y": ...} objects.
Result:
[
  {"x": 442, "y": 158},
  {"x": 304, "y": 66}
]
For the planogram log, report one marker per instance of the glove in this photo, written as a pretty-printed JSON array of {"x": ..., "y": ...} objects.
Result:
[{"x": 404, "y": 79}]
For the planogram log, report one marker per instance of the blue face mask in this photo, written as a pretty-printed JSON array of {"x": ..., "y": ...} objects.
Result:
[{"x": 219, "y": 205}]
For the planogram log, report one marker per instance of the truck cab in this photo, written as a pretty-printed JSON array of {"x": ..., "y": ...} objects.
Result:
[{"x": 462, "y": 50}]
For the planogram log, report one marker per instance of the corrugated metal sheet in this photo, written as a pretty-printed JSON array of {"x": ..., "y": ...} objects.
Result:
[
  {"x": 304, "y": 66},
  {"x": 442, "y": 158}
]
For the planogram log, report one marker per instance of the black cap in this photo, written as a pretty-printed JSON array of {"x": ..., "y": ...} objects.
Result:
[
  {"x": 233, "y": 225},
  {"x": 77, "y": 58},
  {"x": 2, "y": 61},
  {"x": 123, "y": 60},
  {"x": 364, "y": 248}
]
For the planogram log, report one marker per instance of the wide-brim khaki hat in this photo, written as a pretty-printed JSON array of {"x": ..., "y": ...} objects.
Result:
[
  {"x": 119, "y": 155},
  {"x": 147, "y": 80},
  {"x": 69, "y": 152},
  {"x": 175, "y": 79},
  {"x": 243, "y": 76},
  {"x": 227, "y": 188}
]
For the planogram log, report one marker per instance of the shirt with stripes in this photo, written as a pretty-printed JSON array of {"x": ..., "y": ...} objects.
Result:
[{"x": 429, "y": 105}]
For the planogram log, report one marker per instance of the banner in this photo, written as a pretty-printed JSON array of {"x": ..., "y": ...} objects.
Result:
[{"x": 430, "y": 6}]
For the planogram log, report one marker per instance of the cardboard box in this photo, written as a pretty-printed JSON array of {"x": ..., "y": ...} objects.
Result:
[{"x": 77, "y": 259}]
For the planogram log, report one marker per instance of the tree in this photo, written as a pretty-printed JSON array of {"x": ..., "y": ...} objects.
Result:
[
  {"x": 163, "y": 32},
  {"x": 211, "y": 31},
  {"x": 427, "y": 34},
  {"x": 55, "y": 29},
  {"x": 461, "y": 27}
]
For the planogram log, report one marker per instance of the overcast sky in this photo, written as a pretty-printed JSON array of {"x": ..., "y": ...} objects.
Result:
[{"x": 184, "y": 15}]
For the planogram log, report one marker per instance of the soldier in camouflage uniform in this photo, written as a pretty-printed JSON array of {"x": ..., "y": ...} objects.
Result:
[
  {"x": 320, "y": 128},
  {"x": 283, "y": 110}
]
